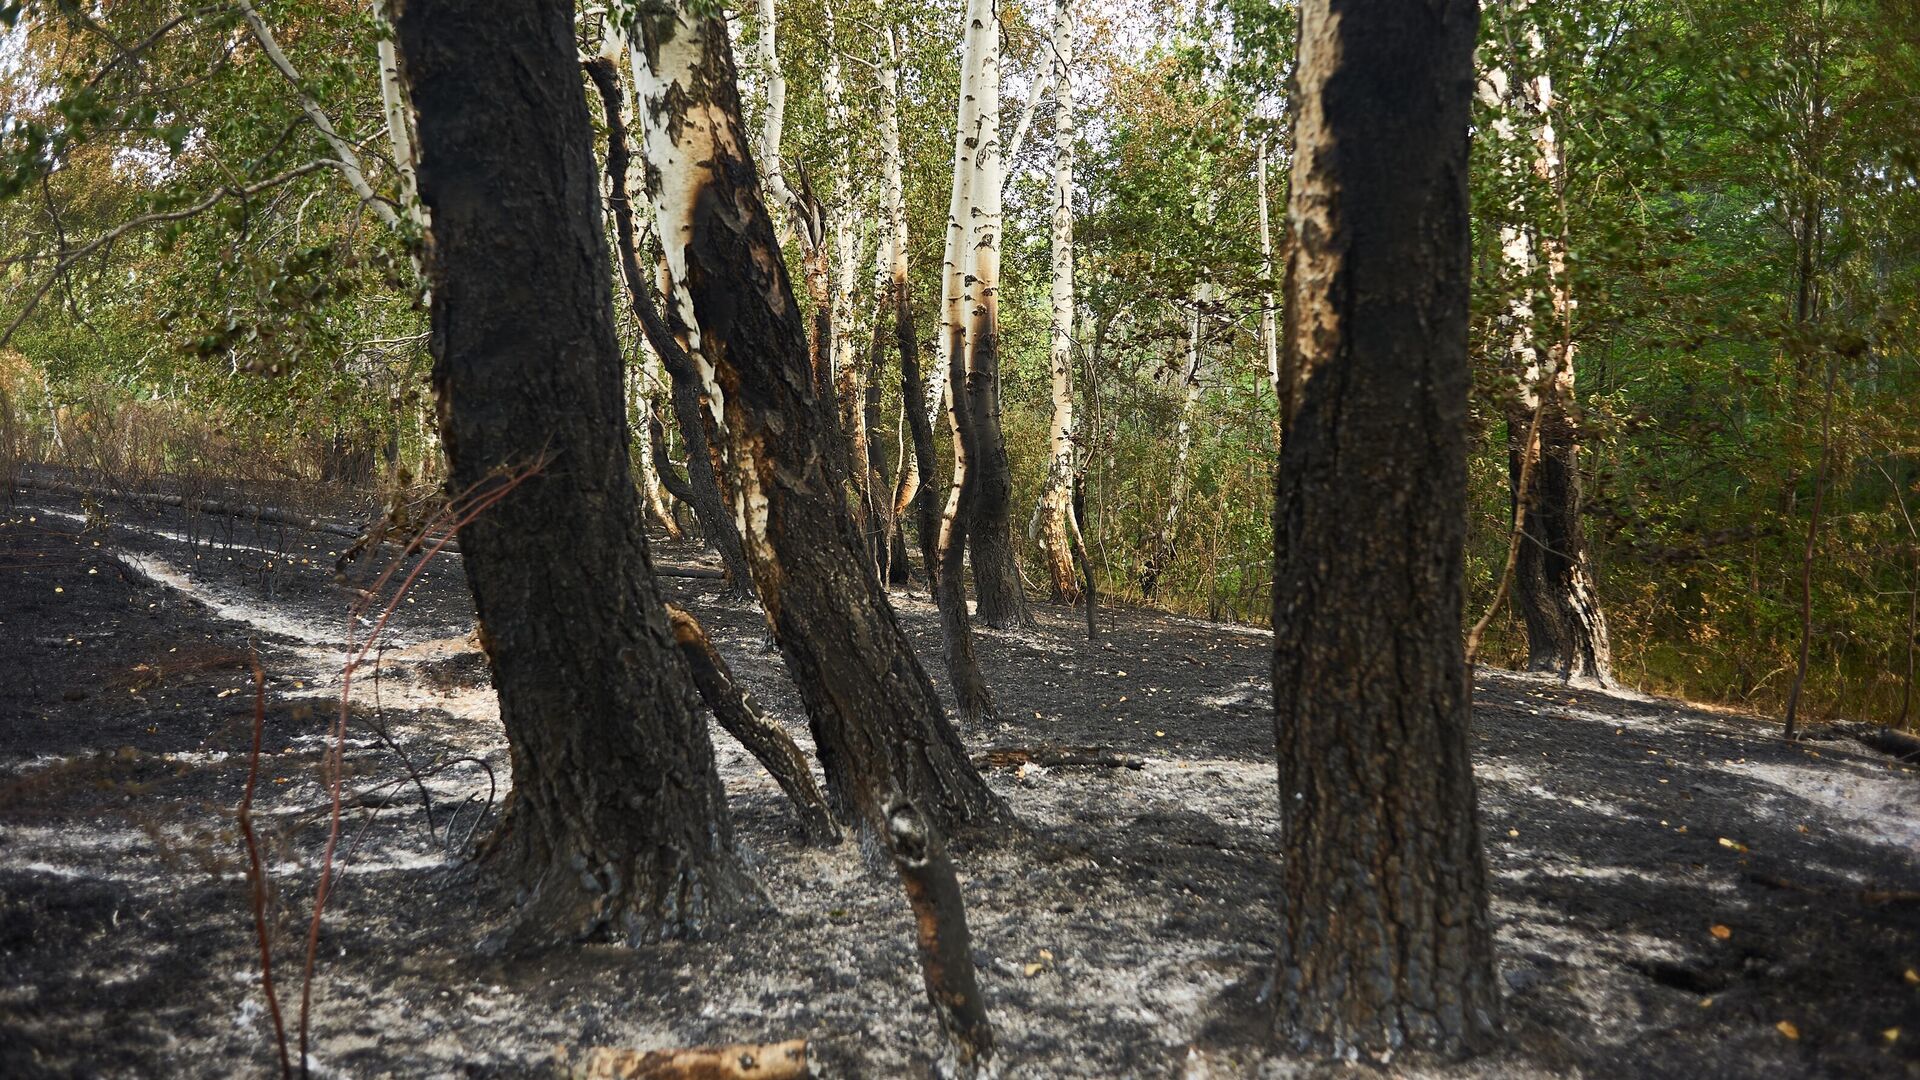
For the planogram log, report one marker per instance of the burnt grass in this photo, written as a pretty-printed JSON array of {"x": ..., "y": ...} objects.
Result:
[{"x": 1676, "y": 893}]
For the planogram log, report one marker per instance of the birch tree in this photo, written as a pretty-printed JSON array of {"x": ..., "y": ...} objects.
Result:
[
  {"x": 996, "y": 572},
  {"x": 1164, "y": 546},
  {"x": 1552, "y": 576},
  {"x": 877, "y": 722},
  {"x": 1055, "y": 516},
  {"x": 1385, "y": 942},
  {"x": 958, "y": 517}
]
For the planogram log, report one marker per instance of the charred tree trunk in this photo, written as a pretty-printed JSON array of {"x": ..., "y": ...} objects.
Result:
[
  {"x": 878, "y": 724},
  {"x": 703, "y": 485},
  {"x": 1552, "y": 578},
  {"x": 617, "y": 825},
  {"x": 1552, "y": 575},
  {"x": 738, "y": 712},
  {"x": 996, "y": 564},
  {"x": 676, "y": 485},
  {"x": 1385, "y": 942},
  {"x": 950, "y": 583}
]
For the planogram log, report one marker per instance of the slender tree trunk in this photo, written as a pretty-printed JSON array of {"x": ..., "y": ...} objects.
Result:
[
  {"x": 1553, "y": 584},
  {"x": 970, "y": 690},
  {"x": 709, "y": 502},
  {"x": 996, "y": 569},
  {"x": 736, "y": 710},
  {"x": 1807, "y": 556},
  {"x": 1385, "y": 941},
  {"x": 876, "y": 720},
  {"x": 640, "y": 418},
  {"x": 1056, "y": 497},
  {"x": 914, "y": 487},
  {"x": 1165, "y": 545},
  {"x": 393, "y": 102},
  {"x": 1269, "y": 332},
  {"x": 850, "y": 378},
  {"x": 617, "y": 825}
]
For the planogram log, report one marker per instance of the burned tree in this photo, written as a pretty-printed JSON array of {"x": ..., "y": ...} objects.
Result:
[
  {"x": 702, "y": 489},
  {"x": 617, "y": 826},
  {"x": 878, "y": 724},
  {"x": 1553, "y": 583},
  {"x": 1385, "y": 942}
]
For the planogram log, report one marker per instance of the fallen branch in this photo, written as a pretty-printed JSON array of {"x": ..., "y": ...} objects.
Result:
[
  {"x": 1011, "y": 757},
  {"x": 1870, "y": 897},
  {"x": 1888, "y": 741},
  {"x": 746, "y": 1061},
  {"x": 740, "y": 715}
]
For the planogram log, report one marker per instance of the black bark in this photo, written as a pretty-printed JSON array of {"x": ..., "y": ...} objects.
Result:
[
  {"x": 703, "y": 487},
  {"x": 1385, "y": 942},
  {"x": 880, "y": 730},
  {"x": 996, "y": 561},
  {"x": 617, "y": 824},
  {"x": 926, "y": 510},
  {"x": 1552, "y": 575},
  {"x": 741, "y": 716},
  {"x": 950, "y": 584}
]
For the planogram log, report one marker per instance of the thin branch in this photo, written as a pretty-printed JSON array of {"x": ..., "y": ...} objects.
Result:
[
  {"x": 144, "y": 220},
  {"x": 349, "y": 160}
]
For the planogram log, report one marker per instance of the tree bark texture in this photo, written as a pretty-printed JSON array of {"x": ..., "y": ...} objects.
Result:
[
  {"x": 1385, "y": 941},
  {"x": 741, "y": 716},
  {"x": 709, "y": 505},
  {"x": 996, "y": 569},
  {"x": 617, "y": 824},
  {"x": 876, "y": 720},
  {"x": 1553, "y": 582},
  {"x": 1165, "y": 545},
  {"x": 1056, "y": 497}
]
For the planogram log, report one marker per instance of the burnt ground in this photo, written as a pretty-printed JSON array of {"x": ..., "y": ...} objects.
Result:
[{"x": 1671, "y": 886}]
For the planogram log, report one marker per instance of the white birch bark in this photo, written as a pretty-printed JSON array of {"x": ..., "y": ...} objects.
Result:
[
  {"x": 686, "y": 132},
  {"x": 1056, "y": 506},
  {"x": 846, "y": 353},
  {"x": 773, "y": 124},
  {"x": 1269, "y": 337},
  {"x": 344, "y": 156},
  {"x": 399, "y": 117},
  {"x": 1183, "y": 432},
  {"x": 978, "y": 16}
]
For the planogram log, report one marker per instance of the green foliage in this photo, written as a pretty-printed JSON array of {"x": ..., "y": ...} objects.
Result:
[{"x": 1739, "y": 202}]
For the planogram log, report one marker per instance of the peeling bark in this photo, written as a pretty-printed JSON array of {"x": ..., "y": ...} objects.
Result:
[
  {"x": 703, "y": 485},
  {"x": 1055, "y": 513},
  {"x": 876, "y": 719},
  {"x": 617, "y": 825},
  {"x": 1385, "y": 943}
]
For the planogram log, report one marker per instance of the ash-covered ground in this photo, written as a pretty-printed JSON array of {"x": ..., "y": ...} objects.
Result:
[{"x": 1676, "y": 893}]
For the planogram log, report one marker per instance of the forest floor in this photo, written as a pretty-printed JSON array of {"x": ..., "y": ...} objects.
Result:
[{"x": 1675, "y": 892}]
